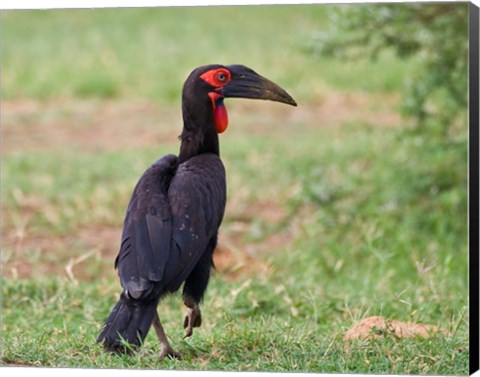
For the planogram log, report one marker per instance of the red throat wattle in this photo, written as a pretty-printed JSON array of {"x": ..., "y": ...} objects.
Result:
[{"x": 220, "y": 116}]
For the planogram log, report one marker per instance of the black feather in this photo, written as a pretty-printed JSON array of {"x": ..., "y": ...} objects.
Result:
[
  {"x": 164, "y": 237},
  {"x": 129, "y": 322}
]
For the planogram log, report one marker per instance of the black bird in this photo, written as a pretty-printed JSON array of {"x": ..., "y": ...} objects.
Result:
[{"x": 171, "y": 225}]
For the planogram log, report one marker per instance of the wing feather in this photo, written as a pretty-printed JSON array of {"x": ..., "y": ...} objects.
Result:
[
  {"x": 173, "y": 214},
  {"x": 147, "y": 229},
  {"x": 197, "y": 197}
]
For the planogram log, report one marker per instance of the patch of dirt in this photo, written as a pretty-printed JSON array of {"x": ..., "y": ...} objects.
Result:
[
  {"x": 15, "y": 363},
  {"x": 234, "y": 263},
  {"x": 236, "y": 255},
  {"x": 377, "y": 327},
  {"x": 86, "y": 125},
  {"x": 334, "y": 110},
  {"x": 79, "y": 255},
  {"x": 109, "y": 125}
]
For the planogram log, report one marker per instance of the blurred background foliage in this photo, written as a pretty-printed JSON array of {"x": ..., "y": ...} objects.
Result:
[
  {"x": 436, "y": 33},
  {"x": 434, "y": 91}
]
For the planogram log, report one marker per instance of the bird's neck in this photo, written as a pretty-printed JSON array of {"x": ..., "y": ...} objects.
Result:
[{"x": 198, "y": 136}]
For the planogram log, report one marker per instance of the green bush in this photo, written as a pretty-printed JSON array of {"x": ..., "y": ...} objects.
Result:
[{"x": 436, "y": 34}]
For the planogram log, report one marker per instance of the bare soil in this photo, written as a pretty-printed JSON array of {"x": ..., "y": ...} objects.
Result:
[
  {"x": 112, "y": 125},
  {"x": 377, "y": 327}
]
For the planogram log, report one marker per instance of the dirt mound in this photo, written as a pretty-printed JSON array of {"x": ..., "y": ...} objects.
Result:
[{"x": 376, "y": 327}]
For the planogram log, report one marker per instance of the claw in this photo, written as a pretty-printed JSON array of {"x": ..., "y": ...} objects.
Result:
[
  {"x": 192, "y": 319},
  {"x": 166, "y": 349},
  {"x": 169, "y": 352}
]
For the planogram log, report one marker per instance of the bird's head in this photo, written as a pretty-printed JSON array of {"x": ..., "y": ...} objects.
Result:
[{"x": 207, "y": 87}]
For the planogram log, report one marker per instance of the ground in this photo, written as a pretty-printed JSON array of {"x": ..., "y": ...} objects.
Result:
[{"x": 263, "y": 277}]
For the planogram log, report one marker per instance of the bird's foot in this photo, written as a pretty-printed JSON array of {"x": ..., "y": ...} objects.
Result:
[
  {"x": 192, "y": 319},
  {"x": 169, "y": 352}
]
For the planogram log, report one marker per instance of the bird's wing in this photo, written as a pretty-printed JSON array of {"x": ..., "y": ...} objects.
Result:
[
  {"x": 147, "y": 230},
  {"x": 197, "y": 197},
  {"x": 169, "y": 223}
]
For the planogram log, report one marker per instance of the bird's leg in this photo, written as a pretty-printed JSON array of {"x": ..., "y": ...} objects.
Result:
[
  {"x": 166, "y": 349},
  {"x": 193, "y": 318},
  {"x": 195, "y": 287}
]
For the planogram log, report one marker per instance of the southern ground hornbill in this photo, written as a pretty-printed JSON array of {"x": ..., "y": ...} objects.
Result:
[{"x": 172, "y": 220}]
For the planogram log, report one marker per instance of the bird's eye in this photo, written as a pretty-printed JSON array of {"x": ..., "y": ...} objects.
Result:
[{"x": 216, "y": 77}]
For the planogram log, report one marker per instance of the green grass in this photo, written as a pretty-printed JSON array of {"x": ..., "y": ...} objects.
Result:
[
  {"x": 149, "y": 52},
  {"x": 375, "y": 215},
  {"x": 366, "y": 243},
  {"x": 234, "y": 337}
]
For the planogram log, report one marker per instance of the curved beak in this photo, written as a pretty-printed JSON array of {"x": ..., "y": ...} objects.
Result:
[{"x": 246, "y": 83}]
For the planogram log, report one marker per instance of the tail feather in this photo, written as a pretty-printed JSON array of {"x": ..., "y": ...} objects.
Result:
[{"x": 129, "y": 321}]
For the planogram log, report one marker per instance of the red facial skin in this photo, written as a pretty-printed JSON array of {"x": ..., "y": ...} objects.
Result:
[{"x": 218, "y": 78}]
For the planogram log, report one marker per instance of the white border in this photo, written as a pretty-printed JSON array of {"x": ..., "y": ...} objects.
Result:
[{"x": 76, "y": 4}]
